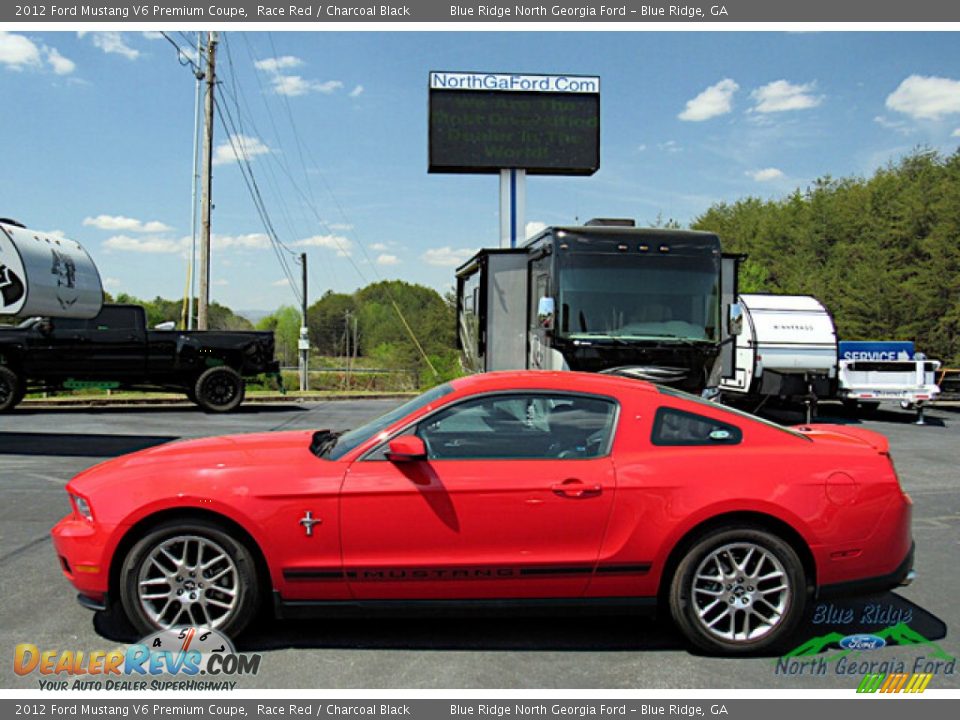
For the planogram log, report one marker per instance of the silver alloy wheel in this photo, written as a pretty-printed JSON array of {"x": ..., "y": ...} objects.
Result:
[
  {"x": 188, "y": 580},
  {"x": 740, "y": 592}
]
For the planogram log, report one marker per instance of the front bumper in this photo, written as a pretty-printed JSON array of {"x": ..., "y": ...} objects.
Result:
[
  {"x": 80, "y": 547},
  {"x": 903, "y": 575}
]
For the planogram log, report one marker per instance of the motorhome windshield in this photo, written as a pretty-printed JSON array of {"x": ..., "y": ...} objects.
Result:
[{"x": 638, "y": 297}]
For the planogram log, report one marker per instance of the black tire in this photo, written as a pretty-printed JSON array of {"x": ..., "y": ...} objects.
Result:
[
  {"x": 198, "y": 592},
  {"x": 12, "y": 389},
  {"x": 219, "y": 389},
  {"x": 748, "y": 617}
]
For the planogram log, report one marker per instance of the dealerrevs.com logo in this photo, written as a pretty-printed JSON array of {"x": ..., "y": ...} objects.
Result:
[{"x": 184, "y": 658}]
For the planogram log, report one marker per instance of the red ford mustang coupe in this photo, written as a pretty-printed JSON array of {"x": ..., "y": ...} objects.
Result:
[{"x": 502, "y": 488}]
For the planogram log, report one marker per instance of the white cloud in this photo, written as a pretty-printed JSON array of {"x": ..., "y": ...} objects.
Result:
[
  {"x": 339, "y": 243},
  {"x": 766, "y": 174},
  {"x": 386, "y": 259},
  {"x": 715, "y": 100},
  {"x": 246, "y": 146},
  {"x": 18, "y": 51},
  {"x": 357, "y": 91},
  {"x": 60, "y": 64},
  {"x": 641, "y": 148},
  {"x": 781, "y": 96},
  {"x": 340, "y": 227},
  {"x": 378, "y": 246},
  {"x": 250, "y": 241},
  {"x": 899, "y": 126},
  {"x": 926, "y": 98},
  {"x": 149, "y": 245},
  {"x": 158, "y": 244},
  {"x": 112, "y": 43},
  {"x": 152, "y": 35},
  {"x": 671, "y": 146},
  {"x": 446, "y": 256},
  {"x": 955, "y": 133},
  {"x": 119, "y": 222},
  {"x": 294, "y": 85},
  {"x": 533, "y": 227},
  {"x": 276, "y": 64},
  {"x": 220, "y": 282},
  {"x": 281, "y": 283},
  {"x": 111, "y": 282}
]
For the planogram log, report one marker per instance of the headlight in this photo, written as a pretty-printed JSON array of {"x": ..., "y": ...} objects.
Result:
[{"x": 82, "y": 507}]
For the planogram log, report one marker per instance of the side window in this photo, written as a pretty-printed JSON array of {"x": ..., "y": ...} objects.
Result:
[
  {"x": 678, "y": 427},
  {"x": 115, "y": 319},
  {"x": 68, "y": 324},
  {"x": 530, "y": 426}
]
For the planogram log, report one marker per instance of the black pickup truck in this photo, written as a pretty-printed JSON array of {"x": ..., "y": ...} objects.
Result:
[{"x": 115, "y": 350}]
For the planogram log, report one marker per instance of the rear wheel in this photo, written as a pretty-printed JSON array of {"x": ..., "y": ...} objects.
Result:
[
  {"x": 219, "y": 389},
  {"x": 738, "y": 591},
  {"x": 12, "y": 389},
  {"x": 189, "y": 573}
]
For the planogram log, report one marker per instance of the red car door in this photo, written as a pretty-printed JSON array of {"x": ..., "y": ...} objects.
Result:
[{"x": 512, "y": 502}]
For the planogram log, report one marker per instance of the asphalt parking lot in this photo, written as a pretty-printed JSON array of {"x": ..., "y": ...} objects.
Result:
[{"x": 40, "y": 449}]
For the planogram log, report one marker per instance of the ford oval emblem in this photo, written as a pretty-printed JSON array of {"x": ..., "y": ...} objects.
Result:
[{"x": 862, "y": 642}]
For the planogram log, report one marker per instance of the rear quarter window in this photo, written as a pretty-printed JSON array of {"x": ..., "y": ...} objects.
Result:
[{"x": 679, "y": 427}]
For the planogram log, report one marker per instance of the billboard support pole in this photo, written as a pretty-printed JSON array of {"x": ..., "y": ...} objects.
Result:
[{"x": 513, "y": 205}]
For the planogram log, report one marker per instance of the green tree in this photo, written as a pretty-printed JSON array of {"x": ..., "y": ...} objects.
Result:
[
  {"x": 285, "y": 325},
  {"x": 882, "y": 253}
]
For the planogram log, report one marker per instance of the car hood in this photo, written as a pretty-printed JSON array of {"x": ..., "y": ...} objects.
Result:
[{"x": 223, "y": 456}]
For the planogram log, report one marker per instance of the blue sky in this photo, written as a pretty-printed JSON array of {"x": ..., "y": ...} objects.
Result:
[{"x": 97, "y": 140}]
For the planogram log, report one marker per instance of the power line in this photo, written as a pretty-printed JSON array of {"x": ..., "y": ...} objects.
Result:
[
  {"x": 182, "y": 56},
  {"x": 246, "y": 172}
]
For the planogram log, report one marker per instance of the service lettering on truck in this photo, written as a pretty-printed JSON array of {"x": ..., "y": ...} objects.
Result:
[{"x": 872, "y": 355}]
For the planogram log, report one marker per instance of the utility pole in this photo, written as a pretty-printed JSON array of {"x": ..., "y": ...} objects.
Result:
[
  {"x": 205, "y": 199},
  {"x": 193, "y": 183},
  {"x": 304, "y": 344}
]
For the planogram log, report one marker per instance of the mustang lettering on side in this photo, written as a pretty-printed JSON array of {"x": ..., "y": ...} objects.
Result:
[{"x": 502, "y": 490}]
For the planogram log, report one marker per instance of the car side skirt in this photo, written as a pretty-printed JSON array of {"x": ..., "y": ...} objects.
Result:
[{"x": 297, "y": 609}]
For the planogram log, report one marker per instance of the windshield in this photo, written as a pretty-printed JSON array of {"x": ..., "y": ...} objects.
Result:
[
  {"x": 348, "y": 441},
  {"x": 639, "y": 297}
]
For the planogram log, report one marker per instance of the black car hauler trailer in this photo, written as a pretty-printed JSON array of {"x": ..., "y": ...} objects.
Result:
[{"x": 604, "y": 297}]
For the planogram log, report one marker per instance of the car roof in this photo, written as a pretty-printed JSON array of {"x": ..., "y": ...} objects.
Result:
[{"x": 569, "y": 381}]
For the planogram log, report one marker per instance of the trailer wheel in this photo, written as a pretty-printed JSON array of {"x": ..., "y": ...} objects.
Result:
[
  {"x": 12, "y": 389},
  {"x": 219, "y": 389}
]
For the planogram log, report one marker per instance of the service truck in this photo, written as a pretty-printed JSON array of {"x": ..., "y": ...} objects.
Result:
[
  {"x": 870, "y": 373},
  {"x": 602, "y": 297}
]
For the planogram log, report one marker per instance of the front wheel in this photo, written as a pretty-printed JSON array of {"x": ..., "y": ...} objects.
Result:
[
  {"x": 189, "y": 573},
  {"x": 219, "y": 389},
  {"x": 738, "y": 591}
]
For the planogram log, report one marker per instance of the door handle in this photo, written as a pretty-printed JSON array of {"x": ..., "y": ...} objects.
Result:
[{"x": 574, "y": 488}]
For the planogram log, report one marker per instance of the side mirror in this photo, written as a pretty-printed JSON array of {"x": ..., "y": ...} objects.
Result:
[
  {"x": 735, "y": 319},
  {"x": 406, "y": 448},
  {"x": 545, "y": 313}
]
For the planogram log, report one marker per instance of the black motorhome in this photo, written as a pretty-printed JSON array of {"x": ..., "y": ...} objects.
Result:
[{"x": 603, "y": 297}]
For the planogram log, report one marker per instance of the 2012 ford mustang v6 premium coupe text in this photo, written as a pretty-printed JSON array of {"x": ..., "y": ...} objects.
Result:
[{"x": 525, "y": 487}]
